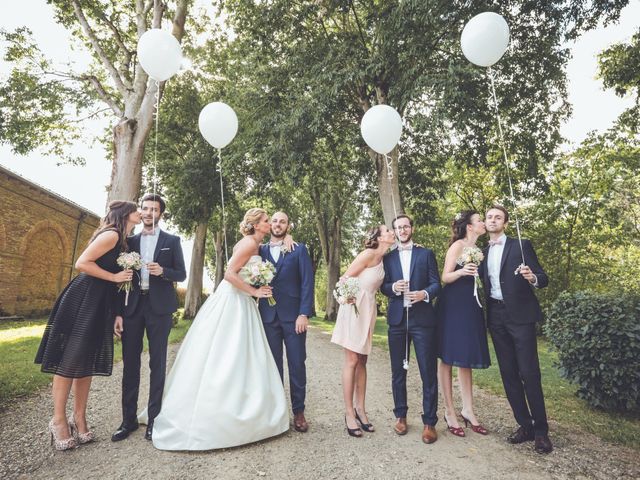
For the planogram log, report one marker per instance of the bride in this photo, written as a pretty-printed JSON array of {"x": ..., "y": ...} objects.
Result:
[{"x": 224, "y": 388}]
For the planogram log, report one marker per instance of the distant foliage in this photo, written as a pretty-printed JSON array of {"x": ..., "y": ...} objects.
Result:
[{"x": 597, "y": 337}]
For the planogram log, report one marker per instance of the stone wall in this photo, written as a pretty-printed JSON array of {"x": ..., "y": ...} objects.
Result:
[{"x": 41, "y": 236}]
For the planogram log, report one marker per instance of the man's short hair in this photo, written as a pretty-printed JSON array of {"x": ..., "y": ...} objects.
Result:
[
  {"x": 502, "y": 209},
  {"x": 402, "y": 215},
  {"x": 154, "y": 197}
]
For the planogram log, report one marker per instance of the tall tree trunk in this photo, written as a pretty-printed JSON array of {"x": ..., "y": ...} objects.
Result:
[
  {"x": 194, "y": 287},
  {"x": 333, "y": 270},
  {"x": 126, "y": 172},
  {"x": 388, "y": 186},
  {"x": 219, "y": 246}
]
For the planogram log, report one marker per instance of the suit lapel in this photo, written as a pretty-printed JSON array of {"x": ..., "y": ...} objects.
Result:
[
  {"x": 505, "y": 252},
  {"x": 412, "y": 263},
  {"x": 159, "y": 244}
]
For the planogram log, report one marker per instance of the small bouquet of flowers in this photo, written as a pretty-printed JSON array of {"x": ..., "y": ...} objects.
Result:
[
  {"x": 345, "y": 289},
  {"x": 128, "y": 261},
  {"x": 258, "y": 274},
  {"x": 472, "y": 255}
]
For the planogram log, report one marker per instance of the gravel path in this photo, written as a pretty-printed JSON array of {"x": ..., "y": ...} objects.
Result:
[{"x": 325, "y": 452}]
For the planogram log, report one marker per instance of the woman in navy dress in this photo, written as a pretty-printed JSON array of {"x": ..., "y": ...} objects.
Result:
[
  {"x": 461, "y": 327},
  {"x": 78, "y": 340}
]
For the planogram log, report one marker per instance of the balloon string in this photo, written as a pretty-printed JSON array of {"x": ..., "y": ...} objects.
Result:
[
  {"x": 156, "y": 111},
  {"x": 388, "y": 163},
  {"x": 506, "y": 160},
  {"x": 224, "y": 218}
]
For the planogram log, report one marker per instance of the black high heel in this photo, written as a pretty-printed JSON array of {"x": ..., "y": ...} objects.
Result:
[
  {"x": 354, "y": 432},
  {"x": 367, "y": 427}
]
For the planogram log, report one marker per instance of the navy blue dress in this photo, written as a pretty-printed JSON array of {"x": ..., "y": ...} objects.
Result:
[{"x": 462, "y": 335}]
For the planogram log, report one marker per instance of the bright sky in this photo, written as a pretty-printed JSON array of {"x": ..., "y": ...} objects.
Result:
[{"x": 593, "y": 108}]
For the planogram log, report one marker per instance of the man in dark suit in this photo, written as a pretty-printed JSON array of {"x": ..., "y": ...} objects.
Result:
[
  {"x": 412, "y": 282},
  {"x": 151, "y": 304},
  {"x": 286, "y": 322},
  {"x": 513, "y": 311}
]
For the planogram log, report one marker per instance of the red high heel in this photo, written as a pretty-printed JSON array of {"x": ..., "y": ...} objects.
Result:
[
  {"x": 476, "y": 428},
  {"x": 457, "y": 431}
]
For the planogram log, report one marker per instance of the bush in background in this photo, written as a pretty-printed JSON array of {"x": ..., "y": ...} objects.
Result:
[{"x": 597, "y": 337}]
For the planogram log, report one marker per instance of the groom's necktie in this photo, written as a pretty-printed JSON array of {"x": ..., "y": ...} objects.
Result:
[{"x": 496, "y": 242}]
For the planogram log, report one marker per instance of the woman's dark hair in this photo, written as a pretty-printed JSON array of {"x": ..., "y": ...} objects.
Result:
[
  {"x": 372, "y": 236},
  {"x": 116, "y": 219},
  {"x": 459, "y": 225},
  {"x": 154, "y": 197}
]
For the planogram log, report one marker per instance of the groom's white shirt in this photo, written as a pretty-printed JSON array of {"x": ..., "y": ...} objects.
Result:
[
  {"x": 494, "y": 257},
  {"x": 275, "y": 252}
]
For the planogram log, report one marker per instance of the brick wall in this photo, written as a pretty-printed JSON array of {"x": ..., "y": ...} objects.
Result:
[{"x": 41, "y": 236}]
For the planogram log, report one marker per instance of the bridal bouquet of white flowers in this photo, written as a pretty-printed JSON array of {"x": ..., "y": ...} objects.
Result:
[
  {"x": 472, "y": 255},
  {"x": 128, "y": 261},
  {"x": 258, "y": 274},
  {"x": 346, "y": 289}
]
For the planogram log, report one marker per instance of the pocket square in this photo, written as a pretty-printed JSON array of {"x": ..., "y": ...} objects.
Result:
[{"x": 165, "y": 249}]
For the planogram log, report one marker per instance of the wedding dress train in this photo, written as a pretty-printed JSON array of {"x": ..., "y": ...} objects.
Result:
[{"x": 224, "y": 388}]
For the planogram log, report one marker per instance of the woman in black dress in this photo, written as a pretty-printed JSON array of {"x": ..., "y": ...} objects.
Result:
[
  {"x": 78, "y": 340},
  {"x": 461, "y": 327}
]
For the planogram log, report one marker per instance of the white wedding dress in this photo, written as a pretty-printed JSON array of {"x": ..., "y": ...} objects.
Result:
[{"x": 224, "y": 388}]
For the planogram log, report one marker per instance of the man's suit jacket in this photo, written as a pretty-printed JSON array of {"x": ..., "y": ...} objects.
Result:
[
  {"x": 517, "y": 293},
  {"x": 162, "y": 294},
  {"x": 293, "y": 285},
  {"x": 423, "y": 276}
]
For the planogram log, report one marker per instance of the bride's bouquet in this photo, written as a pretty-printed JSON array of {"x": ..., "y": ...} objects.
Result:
[
  {"x": 258, "y": 274},
  {"x": 345, "y": 289},
  {"x": 128, "y": 261},
  {"x": 472, "y": 255}
]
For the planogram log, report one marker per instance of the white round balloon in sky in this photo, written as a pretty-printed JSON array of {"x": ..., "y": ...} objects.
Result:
[
  {"x": 218, "y": 124},
  {"x": 485, "y": 38},
  {"x": 160, "y": 54},
  {"x": 381, "y": 128}
]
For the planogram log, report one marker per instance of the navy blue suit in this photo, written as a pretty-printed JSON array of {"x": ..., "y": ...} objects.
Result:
[
  {"x": 293, "y": 287},
  {"x": 420, "y": 328},
  {"x": 512, "y": 323},
  {"x": 152, "y": 312}
]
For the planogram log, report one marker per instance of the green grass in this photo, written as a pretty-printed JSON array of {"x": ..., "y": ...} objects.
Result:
[
  {"x": 560, "y": 396},
  {"x": 19, "y": 342}
]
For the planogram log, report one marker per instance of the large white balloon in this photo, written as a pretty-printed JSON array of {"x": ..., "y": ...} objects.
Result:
[
  {"x": 485, "y": 38},
  {"x": 381, "y": 128},
  {"x": 218, "y": 124},
  {"x": 159, "y": 53}
]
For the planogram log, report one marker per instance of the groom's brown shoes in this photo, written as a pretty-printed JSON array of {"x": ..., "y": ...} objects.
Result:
[
  {"x": 401, "y": 426},
  {"x": 300, "y": 423},
  {"x": 429, "y": 434}
]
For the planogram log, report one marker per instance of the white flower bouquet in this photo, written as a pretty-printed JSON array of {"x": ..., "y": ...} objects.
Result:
[
  {"x": 472, "y": 255},
  {"x": 128, "y": 261},
  {"x": 258, "y": 274},
  {"x": 346, "y": 289}
]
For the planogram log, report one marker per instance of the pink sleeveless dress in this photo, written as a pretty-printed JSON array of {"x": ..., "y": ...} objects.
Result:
[{"x": 352, "y": 331}]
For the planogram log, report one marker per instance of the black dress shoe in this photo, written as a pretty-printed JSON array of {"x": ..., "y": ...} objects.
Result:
[
  {"x": 543, "y": 444},
  {"x": 522, "y": 434},
  {"x": 148, "y": 434},
  {"x": 123, "y": 432}
]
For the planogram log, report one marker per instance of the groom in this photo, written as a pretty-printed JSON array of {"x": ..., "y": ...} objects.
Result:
[
  {"x": 286, "y": 322},
  {"x": 150, "y": 307},
  {"x": 411, "y": 281},
  {"x": 513, "y": 311}
]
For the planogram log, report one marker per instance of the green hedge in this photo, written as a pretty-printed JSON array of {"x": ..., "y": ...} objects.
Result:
[{"x": 597, "y": 337}]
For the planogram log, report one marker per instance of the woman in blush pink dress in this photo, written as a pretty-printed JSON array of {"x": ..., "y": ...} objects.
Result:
[{"x": 354, "y": 331}]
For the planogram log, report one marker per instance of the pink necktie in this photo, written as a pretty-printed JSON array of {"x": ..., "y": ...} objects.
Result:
[{"x": 495, "y": 242}]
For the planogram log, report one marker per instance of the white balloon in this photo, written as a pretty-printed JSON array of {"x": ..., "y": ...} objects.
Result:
[
  {"x": 485, "y": 38},
  {"x": 381, "y": 128},
  {"x": 159, "y": 53},
  {"x": 218, "y": 124}
]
